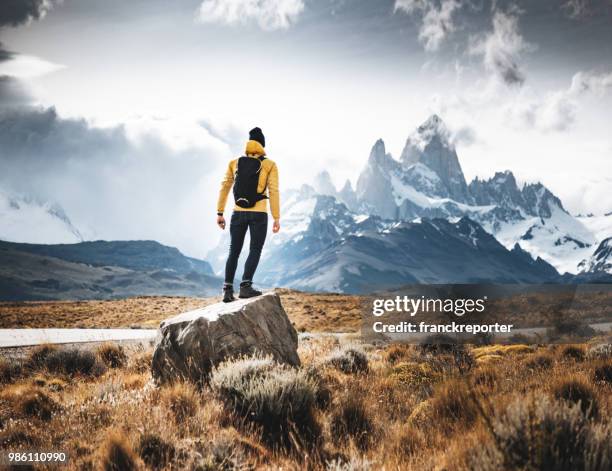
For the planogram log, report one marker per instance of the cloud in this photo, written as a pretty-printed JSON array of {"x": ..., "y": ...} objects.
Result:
[
  {"x": 119, "y": 186},
  {"x": 269, "y": 15},
  {"x": 557, "y": 110},
  {"x": 12, "y": 92},
  {"x": 437, "y": 19},
  {"x": 502, "y": 47},
  {"x": 19, "y": 12}
]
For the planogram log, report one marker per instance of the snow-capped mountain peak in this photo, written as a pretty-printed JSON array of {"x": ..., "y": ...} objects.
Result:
[
  {"x": 26, "y": 219},
  {"x": 601, "y": 260}
]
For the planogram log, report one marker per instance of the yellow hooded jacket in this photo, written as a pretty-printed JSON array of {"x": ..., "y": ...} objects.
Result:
[{"x": 268, "y": 180}]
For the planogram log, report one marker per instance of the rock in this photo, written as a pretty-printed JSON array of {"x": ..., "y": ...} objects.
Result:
[{"x": 190, "y": 344}]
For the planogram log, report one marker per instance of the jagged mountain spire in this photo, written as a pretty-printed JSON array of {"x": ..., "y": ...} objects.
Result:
[{"x": 430, "y": 145}]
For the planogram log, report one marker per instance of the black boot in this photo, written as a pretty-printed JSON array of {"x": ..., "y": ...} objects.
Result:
[
  {"x": 247, "y": 291},
  {"x": 228, "y": 294}
]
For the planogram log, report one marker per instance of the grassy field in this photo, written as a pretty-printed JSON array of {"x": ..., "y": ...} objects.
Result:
[
  {"x": 349, "y": 407},
  {"x": 308, "y": 312}
]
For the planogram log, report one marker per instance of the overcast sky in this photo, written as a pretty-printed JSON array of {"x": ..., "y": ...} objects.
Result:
[{"x": 127, "y": 112}]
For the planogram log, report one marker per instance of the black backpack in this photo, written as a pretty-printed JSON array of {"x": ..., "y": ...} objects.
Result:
[{"x": 246, "y": 181}]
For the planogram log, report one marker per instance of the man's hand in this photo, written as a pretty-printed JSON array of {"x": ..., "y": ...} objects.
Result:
[
  {"x": 276, "y": 226},
  {"x": 221, "y": 222}
]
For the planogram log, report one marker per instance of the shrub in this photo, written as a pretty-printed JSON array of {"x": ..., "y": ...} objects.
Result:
[
  {"x": 544, "y": 434},
  {"x": 397, "y": 352},
  {"x": 70, "y": 361},
  {"x": 141, "y": 362},
  {"x": 36, "y": 403},
  {"x": 112, "y": 355},
  {"x": 351, "y": 418},
  {"x": 417, "y": 375},
  {"x": 573, "y": 352},
  {"x": 30, "y": 401},
  {"x": 278, "y": 399},
  {"x": 453, "y": 401},
  {"x": 539, "y": 361},
  {"x": 182, "y": 400},
  {"x": 155, "y": 452},
  {"x": 10, "y": 370},
  {"x": 577, "y": 391},
  {"x": 117, "y": 455},
  {"x": 603, "y": 373},
  {"x": 349, "y": 359},
  {"x": 408, "y": 441},
  {"x": 602, "y": 351}
]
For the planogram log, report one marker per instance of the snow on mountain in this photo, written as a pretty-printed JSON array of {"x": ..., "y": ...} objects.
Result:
[
  {"x": 601, "y": 260},
  {"x": 24, "y": 219},
  {"x": 430, "y": 145},
  {"x": 428, "y": 181}
]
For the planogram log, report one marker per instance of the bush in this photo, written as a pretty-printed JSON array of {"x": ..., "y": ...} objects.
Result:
[
  {"x": 440, "y": 343},
  {"x": 112, "y": 355},
  {"x": 453, "y": 401},
  {"x": 349, "y": 359},
  {"x": 544, "y": 434},
  {"x": 182, "y": 400},
  {"x": 117, "y": 455},
  {"x": 397, "y": 352},
  {"x": 10, "y": 370},
  {"x": 278, "y": 399},
  {"x": 602, "y": 351},
  {"x": 351, "y": 419},
  {"x": 155, "y": 452},
  {"x": 141, "y": 362},
  {"x": 603, "y": 373},
  {"x": 539, "y": 361},
  {"x": 417, "y": 375},
  {"x": 70, "y": 361},
  {"x": 577, "y": 391},
  {"x": 573, "y": 352}
]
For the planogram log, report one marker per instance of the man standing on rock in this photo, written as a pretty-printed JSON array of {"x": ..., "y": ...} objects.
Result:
[{"x": 255, "y": 180}]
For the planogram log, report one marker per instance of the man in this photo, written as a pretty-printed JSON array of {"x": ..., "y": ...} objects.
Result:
[{"x": 251, "y": 176}]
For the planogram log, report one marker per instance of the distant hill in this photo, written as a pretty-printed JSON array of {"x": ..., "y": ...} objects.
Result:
[{"x": 100, "y": 270}]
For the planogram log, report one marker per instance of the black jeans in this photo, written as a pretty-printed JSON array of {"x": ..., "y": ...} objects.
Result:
[{"x": 257, "y": 224}]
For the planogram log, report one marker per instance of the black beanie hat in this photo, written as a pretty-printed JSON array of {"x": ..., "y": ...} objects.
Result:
[{"x": 255, "y": 134}]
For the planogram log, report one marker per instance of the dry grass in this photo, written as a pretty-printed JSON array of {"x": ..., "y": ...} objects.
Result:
[{"x": 413, "y": 408}]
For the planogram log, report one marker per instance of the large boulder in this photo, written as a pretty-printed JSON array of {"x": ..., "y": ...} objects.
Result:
[{"x": 190, "y": 344}]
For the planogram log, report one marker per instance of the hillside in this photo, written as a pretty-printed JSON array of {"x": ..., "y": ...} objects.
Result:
[{"x": 100, "y": 270}]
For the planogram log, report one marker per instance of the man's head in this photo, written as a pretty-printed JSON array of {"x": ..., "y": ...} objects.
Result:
[{"x": 256, "y": 134}]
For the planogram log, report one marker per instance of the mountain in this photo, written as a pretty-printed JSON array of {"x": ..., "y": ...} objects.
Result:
[
  {"x": 428, "y": 182},
  {"x": 326, "y": 247},
  {"x": 100, "y": 270},
  {"x": 29, "y": 220},
  {"x": 601, "y": 260}
]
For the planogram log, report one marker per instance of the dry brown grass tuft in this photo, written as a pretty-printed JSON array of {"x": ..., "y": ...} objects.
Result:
[
  {"x": 351, "y": 419},
  {"x": 350, "y": 359},
  {"x": 539, "y": 361},
  {"x": 116, "y": 454},
  {"x": 577, "y": 390},
  {"x": 10, "y": 370},
  {"x": 398, "y": 352},
  {"x": 181, "y": 399},
  {"x": 112, "y": 355},
  {"x": 154, "y": 451},
  {"x": 602, "y": 373},
  {"x": 140, "y": 362},
  {"x": 543, "y": 434},
  {"x": 453, "y": 402},
  {"x": 486, "y": 376},
  {"x": 573, "y": 352},
  {"x": 30, "y": 401},
  {"x": 276, "y": 398}
]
